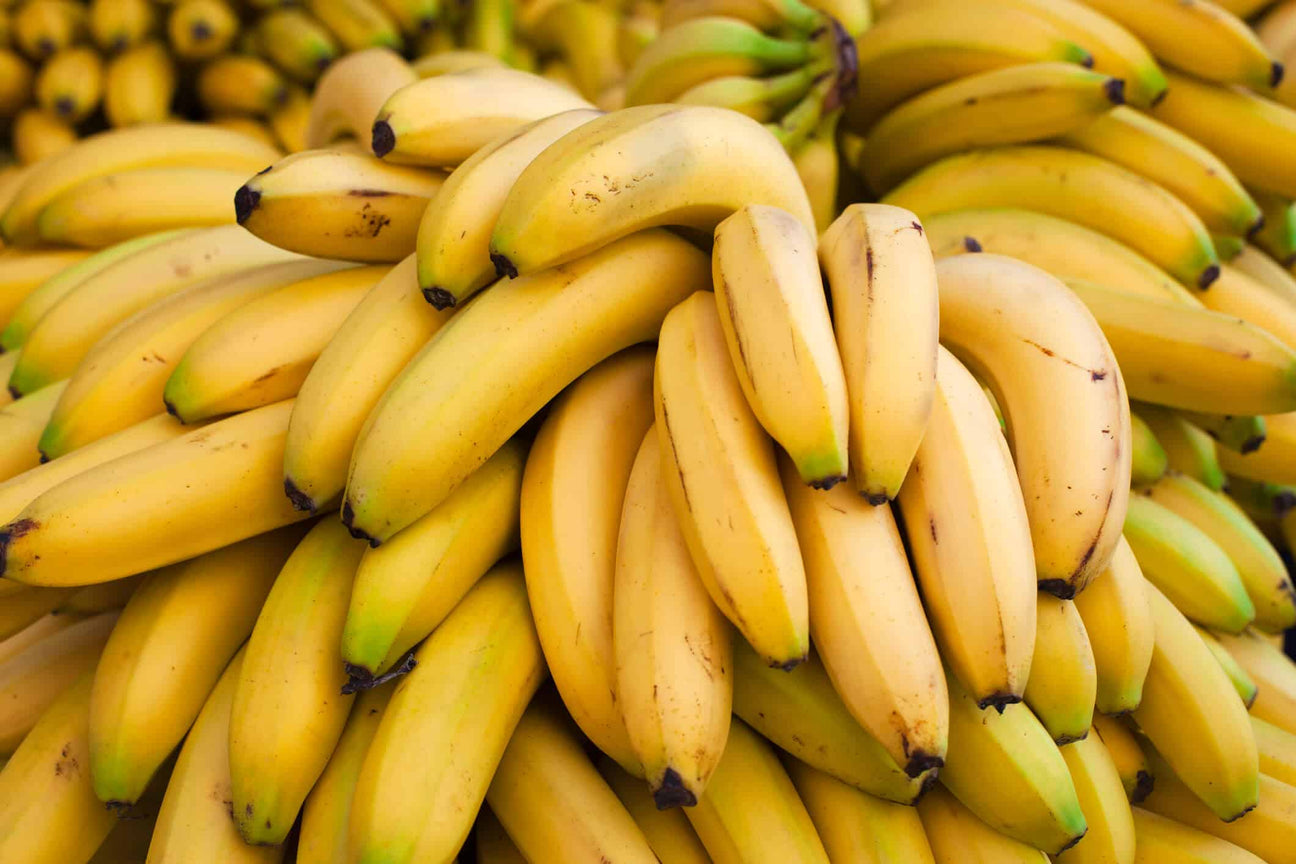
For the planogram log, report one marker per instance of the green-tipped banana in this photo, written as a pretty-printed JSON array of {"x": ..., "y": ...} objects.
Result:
[
  {"x": 1188, "y": 448},
  {"x": 1150, "y": 460}
]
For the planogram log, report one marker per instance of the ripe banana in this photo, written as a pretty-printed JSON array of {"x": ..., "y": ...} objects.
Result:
[
  {"x": 1265, "y": 270},
  {"x": 1161, "y": 839},
  {"x": 473, "y": 679},
  {"x": 42, "y": 28},
  {"x": 15, "y": 85},
  {"x": 413, "y": 16},
  {"x": 22, "y": 271},
  {"x": 1110, "y": 837},
  {"x": 23, "y": 608},
  {"x": 160, "y": 146},
  {"x": 769, "y": 296},
  {"x": 454, "y": 60},
  {"x": 37, "y": 135},
  {"x": 572, "y": 494},
  {"x": 801, "y": 713},
  {"x": 290, "y": 122},
  {"x": 442, "y": 121},
  {"x": 471, "y": 392},
  {"x": 1274, "y": 461},
  {"x": 337, "y": 204},
  {"x": 1245, "y": 686},
  {"x": 296, "y": 43},
  {"x": 1277, "y": 236},
  {"x": 240, "y": 84},
  {"x": 668, "y": 832},
  {"x": 261, "y": 352},
  {"x": 1148, "y": 462},
  {"x": 1064, "y": 681},
  {"x": 405, "y": 588},
  {"x": 176, "y": 635},
  {"x": 201, "y": 29},
  {"x": 357, "y": 24},
  {"x": 162, "y": 504},
  {"x": 139, "y": 85},
  {"x": 454, "y": 235},
  {"x": 1005, "y": 768},
  {"x": 1119, "y": 626},
  {"x": 957, "y": 835},
  {"x": 24, "y": 637},
  {"x": 70, "y": 84},
  {"x": 1240, "y": 434},
  {"x": 1047, "y": 369},
  {"x": 723, "y": 480},
  {"x": 20, "y": 425},
  {"x": 1277, "y": 748},
  {"x": 790, "y": 16},
  {"x": 350, "y": 92},
  {"x": 1240, "y": 295},
  {"x": 1127, "y": 754},
  {"x": 1188, "y": 448},
  {"x": 1272, "y": 671},
  {"x": 117, "y": 25},
  {"x": 104, "y": 597},
  {"x": 818, "y": 164},
  {"x": 610, "y": 168},
  {"x": 586, "y": 35}
]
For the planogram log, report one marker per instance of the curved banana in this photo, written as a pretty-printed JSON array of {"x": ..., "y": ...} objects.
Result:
[
  {"x": 1012, "y": 105},
  {"x": 15, "y": 87},
  {"x": 350, "y": 92},
  {"x": 413, "y": 16},
  {"x": 240, "y": 84},
  {"x": 1273, "y": 671},
  {"x": 668, "y": 832},
  {"x": 1188, "y": 448},
  {"x": 42, "y": 28},
  {"x": 1064, "y": 681},
  {"x": 162, "y": 504},
  {"x": 116, "y": 25},
  {"x": 37, "y": 136},
  {"x": 22, "y": 638},
  {"x": 1240, "y": 295},
  {"x": 442, "y": 121},
  {"x": 1127, "y": 754},
  {"x": 1265, "y": 270},
  {"x": 1046, "y": 369},
  {"x": 20, "y": 425},
  {"x": 290, "y": 121},
  {"x": 1118, "y": 623},
  {"x": 70, "y": 84},
  {"x": 723, "y": 480},
  {"x": 1102, "y": 798},
  {"x": 818, "y": 164},
  {"x": 201, "y": 29},
  {"x": 769, "y": 295},
  {"x": 161, "y": 146},
  {"x": 1161, "y": 839},
  {"x": 139, "y": 85},
  {"x": 176, "y": 635},
  {"x": 1192, "y": 715},
  {"x": 771, "y": 16},
  {"x": 956, "y": 834},
  {"x": 1087, "y": 189},
  {"x": 454, "y": 235},
  {"x": 337, "y": 204},
  {"x": 612, "y": 168},
  {"x": 23, "y": 271},
  {"x": 22, "y": 609},
  {"x": 1149, "y": 461},
  {"x": 358, "y": 24},
  {"x": 572, "y": 495},
  {"x": 405, "y": 588},
  {"x": 471, "y": 392},
  {"x": 472, "y": 680},
  {"x": 1245, "y": 686},
  {"x": 1277, "y": 748},
  {"x": 585, "y": 34},
  {"x": 261, "y": 352},
  {"x": 296, "y": 43},
  {"x": 801, "y": 713}
]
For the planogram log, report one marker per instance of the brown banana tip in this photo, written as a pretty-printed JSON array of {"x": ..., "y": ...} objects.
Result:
[
  {"x": 171, "y": 409},
  {"x": 427, "y": 23},
  {"x": 1115, "y": 90},
  {"x": 1059, "y": 588},
  {"x": 438, "y": 297},
  {"x": 503, "y": 266},
  {"x": 1256, "y": 226},
  {"x": 1251, "y": 444},
  {"x": 300, "y": 500},
  {"x": 826, "y": 483},
  {"x": 927, "y": 783},
  {"x": 1284, "y": 501},
  {"x": 877, "y": 499},
  {"x": 384, "y": 139},
  {"x": 323, "y": 63},
  {"x": 246, "y": 200},
  {"x": 1159, "y": 98},
  {"x": 920, "y": 762},
  {"x": 348, "y": 518},
  {"x": 672, "y": 792},
  {"x": 971, "y": 244},
  {"x": 1276, "y": 71},
  {"x": 44, "y": 457},
  {"x": 1073, "y": 841},
  {"x": 1143, "y": 784},
  {"x": 1208, "y": 276},
  {"x": 999, "y": 701},
  {"x": 46, "y": 46},
  {"x": 789, "y": 665},
  {"x": 201, "y": 31},
  {"x": 1063, "y": 740},
  {"x": 847, "y": 57},
  {"x": 359, "y": 678},
  {"x": 14, "y": 392},
  {"x": 64, "y": 106},
  {"x": 1240, "y": 815}
]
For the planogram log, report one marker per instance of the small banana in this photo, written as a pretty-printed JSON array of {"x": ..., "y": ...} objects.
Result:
[
  {"x": 1102, "y": 798},
  {"x": 240, "y": 84},
  {"x": 668, "y": 832},
  {"x": 70, "y": 84},
  {"x": 350, "y": 92},
  {"x": 1119, "y": 626},
  {"x": 1064, "y": 681},
  {"x": 1161, "y": 839},
  {"x": 586, "y": 34},
  {"x": 357, "y": 24},
  {"x": 1188, "y": 448},
  {"x": 1272, "y": 670},
  {"x": 117, "y": 25},
  {"x": 296, "y": 43},
  {"x": 139, "y": 85},
  {"x": 201, "y": 29},
  {"x": 1149, "y": 462},
  {"x": 42, "y": 28},
  {"x": 779, "y": 16},
  {"x": 1127, "y": 754},
  {"x": 37, "y": 135},
  {"x": 956, "y": 834},
  {"x": 818, "y": 164}
]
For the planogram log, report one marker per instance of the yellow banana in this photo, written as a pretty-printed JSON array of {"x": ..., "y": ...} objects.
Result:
[
  {"x": 42, "y": 28},
  {"x": 22, "y": 271},
  {"x": 139, "y": 85},
  {"x": 572, "y": 495},
  {"x": 201, "y": 29},
  {"x": 20, "y": 425},
  {"x": 1273, "y": 672},
  {"x": 957, "y": 835},
  {"x": 1273, "y": 461},
  {"x": 1119, "y": 626},
  {"x": 350, "y": 92},
  {"x": 104, "y": 597},
  {"x": 414, "y": 17},
  {"x": 1110, "y": 837},
  {"x": 668, "y": 832},
  {"x": 24, "y": 608},
  {"x": 117, "y": 25},
  {"x": 357, "y": 24},
  {"x": 1265, "y": 270},
  {"x": 1160, "y": 839},
  {"x": 1064, "y": 681},
  {"x": 37, "y": 135},
  {"x": 1127, "y": 754},
  {"x": 1277, "y": 748},
  {"x": 1188, "y": 448},
  {"x": 1149, "y": 461},
  {"x": 261, "y": 352},
  {"x": 43, "y": 626},
  {"x": 1277, "y": 28},
  {"x": 240, "y": 84},
  {"x": 818, "y": 164},
  {"x": 473, "y": 679},
  {"x": 290, "y": 122},
  {"x": 70, "y": 84},
  {"x": 610, "y": 168},
  {"x": 591, "y": 309},
  {"x": 15, "y": 87},
  {"x": 1246, "y": 688},
  {"x": 296, "y": 43},
  {"x": 790, "y": 16},
  {"x": 405, "y": 588},
  {"x": 586, "y": 35}
]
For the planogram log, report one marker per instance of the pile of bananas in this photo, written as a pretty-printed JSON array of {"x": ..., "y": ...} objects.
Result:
[{"x": 710, "y": 430}]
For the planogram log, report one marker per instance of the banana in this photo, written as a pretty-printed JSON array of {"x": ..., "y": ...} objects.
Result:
[
  {"x": 88, "y": 311},
  {"x": 405, "y": 588},
  {"x": 454, "y": 235},
  {"x": 33, "y": 679},
  {"x": 802, "y": 714},
  {"x": 454, "y": 60},
  {"x": 1246, "y": 688},
  {"x": 1127, "y": 755},
  {"x": 240, "y": 84},
  {"x": 586, "y": 35},
  {"x": 1274, "y": 461},
  {"x": 159, "y": 146},
  {"x": 112, "y": 208},
  {"x": 723, "y": 480},
  {"x": 20, "y": 425},
  {"x": 290, "y": 121},
  {"x": 350, "y": 92},
  {"x": 751, "y": 811},
  {"x": 1160, "y": 839},
  {"x": 855, "y": 826},
  {"x": 572, "y": 494},
  {"x": 1265, "y": 270},
  {"x": 818, "y": 164},
  {"x": 287, "y": 713},
  {"x": 201, "y": 29},
  {"x": 1110, "y": 837},
  {"x": 1273, "y": 671},
  {"x": 161, "y": 504},
  {"x": 494, "y": 845},
  {"x": 608, "y": 167},
  {"x": 43, "y": 626},
  {"x": 1240, "y": 295},
  {"x": 139, "y": 85},
  {"x": 992, "y": 314},
  {"x": 1149, "y": 461},
  {"x": 769, "y": 296},
  {"x": 15, "y": 86},
  {"x": 581, "y": 314},
  {"x": 260, "y": 352},
  {"x": 1277, "y": 236},
  {"x": 1188, "y": 448},
  {"x": 325, "y": 815},
  {"x": 1258, "y": 564},
  {"x": 1241, "y": 434},
  {"x": 871, "y": 632},
  {"x": 70, "y": 84},
  {"x": 50, "y": 814},
  {"x": 442, "y": 121},
  {"x": 42, "y": 28},
  {"x": 104, "y": 597},
  {"x": 1263, "y": 503},
  {"x": 1200, "y": 38},
  {"x": 1012, "y": 105},
  {"x": 169, "y": 647},
  {"x": 247, "y": 125},
  {"x": 413, "y": 16},
  {"x": 1198, "y": 359},
  {"x": 357, "y": 24},
  {"x": 778, "y": 16},
  {"x": 29, "y": 616},
  {"x": 116, "y": 25},
  {"x": 1064, "y": 681},
  {"x": 668, "y": 832},
  {"x": 916, "y": 49},
  {"x": 674, "y": 664},
  {"x": 337, "y": 204},
  {"x": 296, "y": 43},
  {"x": 37, "y": 135},
  {"x": 956, "y": 835},
  {"x": 194, "y": 824},
  {"x": 1070, "y": 185},
  {"x": 474, "y": 677},
  {"x": 1119, "y": 627},
  {"x": 1277, "y": 28},
  {"x": 22, "y": 271},
  {"x": 1277, "y": 748},
  {"x": 488, "y": 27},
  {"x": 120, "y": 382},
  {"x": 1005, "y": 768}
]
